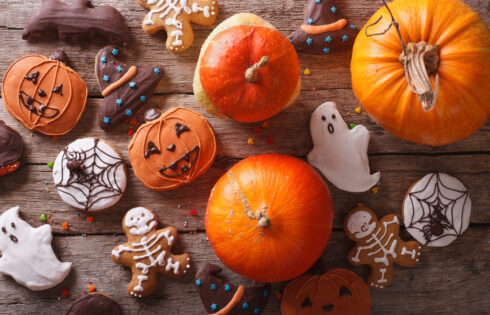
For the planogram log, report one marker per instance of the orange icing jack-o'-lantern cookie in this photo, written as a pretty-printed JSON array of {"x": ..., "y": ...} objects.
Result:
[
  {"x": 44, "y": 94},
  {"x": 172, "y": 149}
]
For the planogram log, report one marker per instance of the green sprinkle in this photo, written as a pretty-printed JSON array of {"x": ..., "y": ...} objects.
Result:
[
  {"x": 352, "y": 125},
  {"x": 42, "y": 217},
  {"x": 50, "y": 164}
]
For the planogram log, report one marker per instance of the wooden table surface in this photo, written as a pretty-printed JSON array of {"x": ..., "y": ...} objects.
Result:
[{"x": 453, "y": 279}]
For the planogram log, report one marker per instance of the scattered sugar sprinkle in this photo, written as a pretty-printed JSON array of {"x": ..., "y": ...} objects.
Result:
[
  {"x": 46, "y": 182},
  {"x": 92, "y": 288},
  {"x": 358, "y": 110},
  {"x": 90, "y": 219},
  {"x": 65, "y": 226},
  {"x": 375, "y": 190},
  {"x": 43, "y": 217},
  {"x": 265, "y": 124},
  {"x": 360, "y": 205},
  {"x": 65, "y": 292},
  {"x": 250, "y": 141},
  {"x": 307, "y": 72},
  {"x": 55, "y": 138},
  {"x": 50, "y": 164},
  {"x": 352, "y": 125},
  {"x": 193, "y": 212},
  {"x": 270, "y": 140},
  {"x": 257, "y": 129}
]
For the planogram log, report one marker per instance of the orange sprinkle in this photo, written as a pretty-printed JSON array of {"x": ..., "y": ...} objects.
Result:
[
  {"x": 65, "y": 226},
  {"x": 55, "y": 138},
  {"x": 256, "y": 129},
  {"x": 133, "y": 121},
  {"x": 91, "y": 288},
  {"x": 90, "y": 219},
  {"x": 130, "y": 132},
  {"x": 375, "y": 190},
  {"x": 265, "y": 124}
]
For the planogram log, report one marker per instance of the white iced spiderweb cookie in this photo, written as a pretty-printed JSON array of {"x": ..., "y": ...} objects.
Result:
[
  {"x": 27, "y": 255},
  {"x": 437, "y": 209},
  {"x": 90, "y": 174},
  {"x": 340, "y": 153}
]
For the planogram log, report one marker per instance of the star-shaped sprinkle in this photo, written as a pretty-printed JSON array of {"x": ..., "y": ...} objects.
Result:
[
  {"x": 333, "y": 9},
  {"x": 310, "y": 21},
  {"x": 143, "y": 98},
  {"x": 132, "y": 84},
  {"x": 318, "y": 1},
  {"x": 326, "y": 50},
  {"x": 103, "y": 60},
  {"x": 156, "y": 71},
  {"x": 214, "y": 307},
  {"x": 256, "y": 310},
  {"x": 227, "y": 287},
  {"x": 106, "y": 78},
  {"x": 245, "y": 305},
  {"x": 129, "y": 113},
  {"x": 213, "y": 287},
  {"x": 266, "y": 293},
  {"x": 119, "y": 102},
  {"x": 344, "y": 38},
  {"x": 328, "y": 39},
  {"x": 119, "y": 69},
  {"x": 309, "y": 41},
  {"x": 352, "y": 26},
  {"x": 198, "y": 282},
  {"x": 115, "y": 52},
  {"x": 107, "y": 120}
]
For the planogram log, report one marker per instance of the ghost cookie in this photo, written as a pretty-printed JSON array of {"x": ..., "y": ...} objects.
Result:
[
  {"x": 324, "y": 30},
  {"x": 378, "y": 245},
  {"x": 221, "y": 297},
  {"x": 125, "y": 88},
  {"x": 175, "y": 17},
  {"x": 340, "y": 153},
  {"x": 44, "y": 94},
  {"x": 90, "y": 174},
  {"x": 27, "y": 255},
  {"x": 148, "y": 252},
  {"x": 437, "y": 209},
  {"x": 172, "y": 149},
  {"x": 10, "y": 149},
  {"x": 94, "y": 304}
]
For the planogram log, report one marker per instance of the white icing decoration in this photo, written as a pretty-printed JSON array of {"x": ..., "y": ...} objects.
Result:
[
  {"x": 340, "y": 153},
  {"x": 358, "y": 224},
  {"x": 175, "y": 266},
  {"x": 382, "y": 280},
  {"x": 412, "y": 252},
  {"x": 140, "y": 220},
  {"x": 443, "y": 191},
  {"x": 139, "y": 287},
  {"x": 27, "y": 255},
  {"x": 176, "y": 35}
]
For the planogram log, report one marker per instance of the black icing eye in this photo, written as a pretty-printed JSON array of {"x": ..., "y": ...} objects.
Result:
[
  {"x": 327, "y": 308},
  {"x": 151, "y": 148},
  {"x": 180, "y": 129},
  {"x": 344, "y": 291},
  {"x": 32, "y": 77},
  {"x": 324, "y": 118},
  {"x": 41, "y": 93},
  {"x": 4, "y": 230},
  {"x": 171, "y": 148},
  {"x": 58, "y": 89},
  {"x": 12, "y": 225},
  {"x": 333, "y": 116},
  {"x": 306, "y": 303}
]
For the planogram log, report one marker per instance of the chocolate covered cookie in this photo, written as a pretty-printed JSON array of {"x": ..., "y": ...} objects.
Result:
[
  {"x": 10, "y": 149},
  {"x": 94, "y": 304}
]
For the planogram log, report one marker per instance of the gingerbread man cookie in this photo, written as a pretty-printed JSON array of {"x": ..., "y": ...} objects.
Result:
[
  {"x": 378, "y": 245},
  {"x": 148, "y": 251},
  {"x": 175, "y": 17}
]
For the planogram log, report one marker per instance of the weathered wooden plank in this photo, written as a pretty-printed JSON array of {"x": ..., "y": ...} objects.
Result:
[
  {"x": 446, "y": 279},
  {"x": 327, "y": 73},
  {"x": 26, "y": 188}
]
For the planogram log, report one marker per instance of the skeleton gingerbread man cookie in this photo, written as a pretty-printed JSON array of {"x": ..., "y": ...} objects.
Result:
[
  {"x": 175, "y": 17},
  {"x": 148, "y": 252},
  {"x": 378, "y": 245}
]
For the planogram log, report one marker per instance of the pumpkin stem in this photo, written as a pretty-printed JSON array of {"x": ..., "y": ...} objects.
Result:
[
  {"x": 252, "y": 73},
  {"x": 420, "y": 60}
]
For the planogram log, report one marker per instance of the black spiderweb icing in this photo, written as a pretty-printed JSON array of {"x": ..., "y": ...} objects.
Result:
[
  {"x": 95, "y": 179},
  {"x": 440, "y": 216}
]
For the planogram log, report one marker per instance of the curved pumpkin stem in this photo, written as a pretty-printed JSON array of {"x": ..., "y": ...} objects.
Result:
[{"x": 252, "y": 73}]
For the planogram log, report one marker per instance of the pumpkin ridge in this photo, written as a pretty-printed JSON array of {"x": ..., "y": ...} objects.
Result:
[
  {"x": 457, "y": 29},
  {"x": 65, "y": 108}
]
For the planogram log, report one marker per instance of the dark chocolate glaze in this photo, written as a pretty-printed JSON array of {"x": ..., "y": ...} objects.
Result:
[
  {"x": 78, "y": 21},
  {"x": 10, "y": 145},
  {"x": 145, "y": 81},
  {"x": 320, "y": 12},
  {"x": 94, "y": 304},
  {"x": 253, "y": 301}
]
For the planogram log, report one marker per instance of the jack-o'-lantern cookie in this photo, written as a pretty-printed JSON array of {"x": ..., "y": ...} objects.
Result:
[
  {"x": 95, "y": 303},
  {"x": 10, "y": 149},
  {"x": 172, "y": 149},
  {"x": 44, "y": 94},
  {"x": 148, "y": 252}
]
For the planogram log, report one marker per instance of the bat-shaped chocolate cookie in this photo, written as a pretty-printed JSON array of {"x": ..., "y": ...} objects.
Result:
[
  {"x": 221, "y": 297},
  {"x": 78, "y": 21}
]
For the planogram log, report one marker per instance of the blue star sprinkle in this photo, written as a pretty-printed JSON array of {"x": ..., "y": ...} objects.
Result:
[
  {"x": 318, "y": 1},
  {"x": 290, "y": 40},
  {"x": 103, "y": 60},
  {"x": 328, "y": 39},
  {"x": 344, "y": 38},
  {"x": 214, "y": 307},
  {"x": 309, "y": 41},
  {"x": 129, "y": 113},
  {"x": 213, "y": 287},
  {"x": 245, "y": 305},
  {"x": 119, "y": 69},
  {"x": 156, "y": 70},
  {"x": 256, "y": 310},
  {"x": 310, "y": 21},
  {"x": 106, "y": 78},
  {"x": 119, "y": 102},
  {"x": 326, "y": 50},
  {"x": 198, "y": 282},
  {"x": 227, "y": 287},
  {"x": 132, "y": 84},
  {"x": 352, "y": 26},
  {"x": 266, "y": 293},
  {"x": 142, "y": 98},
  {"x": 107, "y": 120},
  {"x": 115, "y": 52},
  {"x": 333, "y": 9}
]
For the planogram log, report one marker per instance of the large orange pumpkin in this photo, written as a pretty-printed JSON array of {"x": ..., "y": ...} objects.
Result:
[
  {"x": 247, "y": 70},
  {"x": 446, "y": 40},
  {"x": 269, "y": 218}
]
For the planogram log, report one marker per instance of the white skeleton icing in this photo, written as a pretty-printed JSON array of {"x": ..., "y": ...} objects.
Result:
[
  {"x": 409, "y": 252},
  {"x": 358, "y": 224},
  {"x": 140, "y": 220}
]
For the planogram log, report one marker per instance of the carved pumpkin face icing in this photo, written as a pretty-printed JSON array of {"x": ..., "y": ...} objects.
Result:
[
  {"x": 172, "y": 149},
  {"x": 44, "y": 94}
]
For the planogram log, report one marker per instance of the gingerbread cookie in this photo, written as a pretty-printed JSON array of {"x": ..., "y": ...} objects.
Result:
[
  {"x": 378, "y": 245},
  {"x": 44, "y": 94},
  {"x": 340, "y": 153},
  {"x": 78, "y": 21},
  {"x": 90, "y": 174},
  {"x": 338, "y": 291},
  {"x": 27, "y": 255},
  {"x": 172, "y": 149},
  {"x": 148, "y": 251},
  {"x": 94, "y": 304},
  {"x": 10, "y": 149},
  {"x": 221, "y": 297},
  {"x": 324, "y": 30},
  {"x": 437, "y": 209},
  {"x": 175, "y": 17},
  {"x": 125, "y": 88}
]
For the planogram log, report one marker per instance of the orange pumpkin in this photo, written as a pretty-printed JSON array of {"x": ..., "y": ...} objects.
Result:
[
  {"x": 269, "y": 218},
  {"x": 446, "y": 41},
  {"x": 247, "y": 70}
]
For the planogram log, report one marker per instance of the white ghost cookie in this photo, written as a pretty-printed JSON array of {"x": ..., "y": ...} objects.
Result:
[
  {"x": 27, "y": 255},
  {"x": 338, "y": 152}
]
